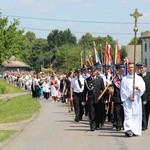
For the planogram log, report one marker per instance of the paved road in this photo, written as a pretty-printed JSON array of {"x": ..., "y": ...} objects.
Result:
[{"x": 54, "y": 129}]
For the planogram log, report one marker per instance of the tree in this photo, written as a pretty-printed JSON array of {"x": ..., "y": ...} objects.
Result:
[
  {"x": 132, "y": 42},
  {"x": 37, "y": 54},
  {"x": 68, "y": 57},
  {"x": 12, "y": 38},
  {"x": 123, "y": 53},
  {"x": 58, "y": 38},
  {"x": 87, "y": 41}
]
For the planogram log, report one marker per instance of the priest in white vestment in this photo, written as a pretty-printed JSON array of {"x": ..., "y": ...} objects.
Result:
[{"x": 132, "y": 106}]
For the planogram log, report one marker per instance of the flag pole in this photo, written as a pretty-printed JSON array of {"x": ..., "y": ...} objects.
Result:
[
  {"x": 136, "y": 15},
  {"x": 116, "y": 50}
]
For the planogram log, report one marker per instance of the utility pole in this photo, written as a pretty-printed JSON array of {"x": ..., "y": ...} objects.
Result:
[{"x": 136, "y": 15}]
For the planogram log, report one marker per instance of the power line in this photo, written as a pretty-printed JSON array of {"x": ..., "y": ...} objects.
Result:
[
  {"x": 78, "y": 32},
  {"x": 75, "y": 21}
]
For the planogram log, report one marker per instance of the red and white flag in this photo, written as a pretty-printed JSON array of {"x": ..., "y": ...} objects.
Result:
[
  {"x": 117, "y": 54},
  {"x": 108, "y": 55}
]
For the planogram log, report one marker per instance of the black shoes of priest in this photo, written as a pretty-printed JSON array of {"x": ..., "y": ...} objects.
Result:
[{"x": 129, "y": 133}]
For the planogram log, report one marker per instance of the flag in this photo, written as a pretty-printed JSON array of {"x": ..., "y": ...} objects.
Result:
[
  {"x": 97, "y": 58},
  {"x": 108, "y": 55},
  {"x": 88, "y": 63},
  {"x": 90, "y": 60},
  {"x": 117, "y": 54},
  {"x": 82, "y": 62},
  {"x": 126, "y": 62}
]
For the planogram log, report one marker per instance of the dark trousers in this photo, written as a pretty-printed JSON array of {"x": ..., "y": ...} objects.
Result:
[
  {"x": 145, "y": 114},
  {"x": 118, "y": 115},
  {"x": 34, "y": 91},
  {"x": 77, "y": 99},
  {"x": 96, "y": 114},
  {"x": 46, "y": 95}
]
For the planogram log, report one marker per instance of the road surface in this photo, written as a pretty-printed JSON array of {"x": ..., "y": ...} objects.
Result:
[{"x": 54, "y": 129}]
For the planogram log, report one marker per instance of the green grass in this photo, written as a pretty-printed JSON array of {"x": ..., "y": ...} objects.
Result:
[
  {"x": 5, "y": 134},
  {"x": 18, "y": 109},
  {"x": 7, "y": 88}
]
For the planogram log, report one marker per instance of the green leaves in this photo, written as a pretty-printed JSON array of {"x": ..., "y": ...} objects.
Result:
[
  {"x": 68, "y": 57},
  {"x": 58, "y": 38},
  {"x": 10, "y": 39}
]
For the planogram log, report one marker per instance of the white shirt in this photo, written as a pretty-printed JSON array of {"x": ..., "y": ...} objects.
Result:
[
  {"x": 75, "y": 84},
  {"x": 85, "y": 75}
]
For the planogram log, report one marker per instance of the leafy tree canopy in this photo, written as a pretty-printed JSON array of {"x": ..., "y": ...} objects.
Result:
[
  {"x": 12, "y": 39},
  {"x": 58, "y": 38},
  {"x": 68, "y": 57}
]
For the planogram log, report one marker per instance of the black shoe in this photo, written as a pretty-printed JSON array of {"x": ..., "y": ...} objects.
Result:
[
  {"x": 118, "y": 128},
  {"x": 92, "y": 129},
  {"x": 76, "y": 120},
  {"x": 143, "y": 129},
  {"x": 129, "y": 133},
  {"x": 80, "y": 119}
]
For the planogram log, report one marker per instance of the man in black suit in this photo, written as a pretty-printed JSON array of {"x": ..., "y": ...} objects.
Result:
[
  {"x": 118, "y": 108},
  {"x": 93, "y": 87},
  {"x": 142, "y": 68}
]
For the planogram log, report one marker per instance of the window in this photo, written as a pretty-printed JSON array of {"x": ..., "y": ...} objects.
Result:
[
  {"x": 145, "y": 47},
  {"x": 146, "y": 61}
]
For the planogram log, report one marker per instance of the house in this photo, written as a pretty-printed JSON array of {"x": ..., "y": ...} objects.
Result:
[
  {"x": 145, "y": 46},
  {"x": 130, "y": 53},
  {"x": 14, "y": 65}
]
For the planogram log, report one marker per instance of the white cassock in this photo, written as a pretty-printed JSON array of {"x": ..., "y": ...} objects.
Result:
[{"x": 132, "y": 110}]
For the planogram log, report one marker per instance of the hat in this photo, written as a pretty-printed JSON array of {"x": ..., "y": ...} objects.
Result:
[
  {"x": 106, "y": 66},
  {"x": 97, "y": 64},
  {"x": 77, "y": 70},
  {"x": 92, "y": 68},
  {"x": 141, "y": 64},
  {"x": 99, "y": 67},
  {"x": 118, "y": 66},
  {"x": 84, "y": 68}
]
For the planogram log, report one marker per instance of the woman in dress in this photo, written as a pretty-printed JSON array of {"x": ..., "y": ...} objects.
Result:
[{"x": 66, "y": 91}]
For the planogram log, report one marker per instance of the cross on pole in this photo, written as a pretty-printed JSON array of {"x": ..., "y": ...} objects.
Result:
[{"x": 136, "y": 15}]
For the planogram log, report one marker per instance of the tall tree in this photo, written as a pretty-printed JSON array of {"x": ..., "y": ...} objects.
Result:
[
  {"x": 11, "y": 41},
  {"x": 37, "y": 54},
  {"x": 58, "y": 38},
  {"x": 68, "y": 57}
]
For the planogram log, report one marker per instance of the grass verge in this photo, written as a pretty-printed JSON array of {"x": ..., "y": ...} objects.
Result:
[
  {"x": 18, "y": 109},
  {"x": 6, "y": 88},
  {"x": 6, "y": 134}
]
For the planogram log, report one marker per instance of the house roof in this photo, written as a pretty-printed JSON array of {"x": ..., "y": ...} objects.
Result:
[
  {"x": 15, "y": 63},
  {"x": 145, "y": 35}
]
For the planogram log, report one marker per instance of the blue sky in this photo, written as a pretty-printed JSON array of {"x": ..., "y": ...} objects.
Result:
[{"x": 80, "y": 10}]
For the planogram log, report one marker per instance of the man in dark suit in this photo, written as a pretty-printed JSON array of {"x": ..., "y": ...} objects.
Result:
[
  {"x": 93, "y": 87},
  {"x": 142, "y": 68},
  {"x": 118, "y": 108}
]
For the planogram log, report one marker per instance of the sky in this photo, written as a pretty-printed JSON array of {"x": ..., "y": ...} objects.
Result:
[{"x": 98, "y": 17}]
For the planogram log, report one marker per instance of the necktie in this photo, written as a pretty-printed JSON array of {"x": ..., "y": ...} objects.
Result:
[
  {"x": 106, "y": 76},
  {"x": 79, "y": 82}
]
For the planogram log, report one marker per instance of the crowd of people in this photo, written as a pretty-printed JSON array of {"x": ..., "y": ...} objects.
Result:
[{"x": 96, "y": 92}]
